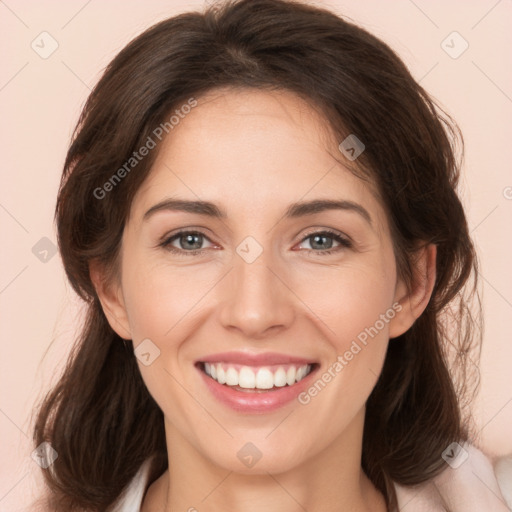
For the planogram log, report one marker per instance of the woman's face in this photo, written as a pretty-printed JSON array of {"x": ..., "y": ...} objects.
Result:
[{"x": 261, "y": 302}]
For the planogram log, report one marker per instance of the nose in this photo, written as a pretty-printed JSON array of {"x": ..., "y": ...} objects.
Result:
[{"x": 256, "y": 300}]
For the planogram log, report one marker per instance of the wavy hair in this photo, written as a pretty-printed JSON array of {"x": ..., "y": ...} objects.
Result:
[{"x": 420, "y": 404}]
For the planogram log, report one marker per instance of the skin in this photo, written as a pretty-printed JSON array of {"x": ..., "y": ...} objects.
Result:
[{"x": 253, "y": 153}]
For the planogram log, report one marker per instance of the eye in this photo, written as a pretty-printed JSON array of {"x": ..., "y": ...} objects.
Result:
[
  {"x": 190, "y": 242},
  {"x": 318, "y": 240}
]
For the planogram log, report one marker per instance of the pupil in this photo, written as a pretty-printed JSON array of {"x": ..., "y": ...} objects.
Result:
[
  {"x": 190, "y": 239},
  {"x": 316, "y": 237}
]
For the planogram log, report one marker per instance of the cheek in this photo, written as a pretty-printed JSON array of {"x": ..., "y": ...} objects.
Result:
[
  {"x": 349, "y": 299},
  {"x": 158, "y": 297},
  {"x": 160, "y": 306},
  {"x": 356, "y": 304}
]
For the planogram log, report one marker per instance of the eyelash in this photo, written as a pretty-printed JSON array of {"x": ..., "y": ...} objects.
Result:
[{"x": 344, "y": 243}]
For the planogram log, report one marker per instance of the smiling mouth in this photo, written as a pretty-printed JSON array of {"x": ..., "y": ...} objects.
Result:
[{"x": 260, "y": 379}]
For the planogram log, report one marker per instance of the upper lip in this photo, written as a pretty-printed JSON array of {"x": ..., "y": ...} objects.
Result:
[{"x": 250, "y": 359}]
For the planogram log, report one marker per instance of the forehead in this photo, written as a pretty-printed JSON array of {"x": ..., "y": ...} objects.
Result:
[{"x": 246, "y": 148}]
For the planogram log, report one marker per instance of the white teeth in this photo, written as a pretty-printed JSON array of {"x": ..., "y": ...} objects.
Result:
[
  {"x": 280, "y": 378},
  {"x": 264, "y": 379},
  {"x": 246, "y": 378},
  {"x": 250, "y": 378},
  {"x": 290, "y": 376},
  {"x": 300, "y": 373},
  {"x": 221, "y": 375},
  {"x": 232, "y": 377}
]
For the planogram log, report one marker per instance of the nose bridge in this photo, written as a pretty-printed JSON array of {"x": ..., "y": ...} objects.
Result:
[{"x": 255, "y": 299}]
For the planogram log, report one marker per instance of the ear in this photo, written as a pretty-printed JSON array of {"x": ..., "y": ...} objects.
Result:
[
  {"x": 415, "y": 300},
  {"x": 112, "y": 301}
]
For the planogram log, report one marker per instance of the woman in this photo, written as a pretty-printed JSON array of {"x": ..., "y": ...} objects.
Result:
[{"x": 294, "y": 356}]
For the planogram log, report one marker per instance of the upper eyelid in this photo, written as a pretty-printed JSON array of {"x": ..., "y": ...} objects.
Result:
[
  {"x": 327, "y": 231},
  {"x": 166, "y": 239}
]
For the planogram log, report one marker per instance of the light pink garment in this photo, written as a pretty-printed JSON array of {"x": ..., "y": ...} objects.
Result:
[{"x": 474, "y": 486}]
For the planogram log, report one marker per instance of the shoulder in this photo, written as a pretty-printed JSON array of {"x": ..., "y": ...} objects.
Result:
[
  {"x": 503, "y": 471},
  {"x": 469, "y": 483},
  {"x": 132, "y": 497}
]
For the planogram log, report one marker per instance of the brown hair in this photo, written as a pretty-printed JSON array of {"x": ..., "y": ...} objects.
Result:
[{"x": 92, "y": 417}]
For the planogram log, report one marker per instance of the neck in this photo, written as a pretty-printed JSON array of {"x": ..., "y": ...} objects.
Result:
[{"x": 330, "y": 481}]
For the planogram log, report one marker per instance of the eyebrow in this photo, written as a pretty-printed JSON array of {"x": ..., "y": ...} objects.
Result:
[{"x": 295, "y": 210}]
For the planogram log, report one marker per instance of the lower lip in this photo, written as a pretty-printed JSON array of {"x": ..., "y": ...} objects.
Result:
[{"x": 253, "y": 401}]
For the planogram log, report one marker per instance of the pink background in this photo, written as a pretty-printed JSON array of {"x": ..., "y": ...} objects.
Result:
[{"x": 40, "y": 100}]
